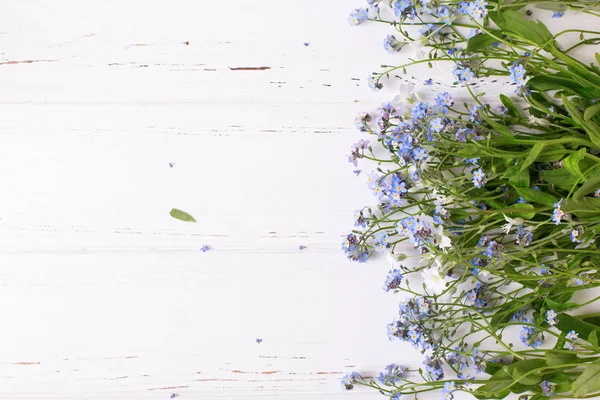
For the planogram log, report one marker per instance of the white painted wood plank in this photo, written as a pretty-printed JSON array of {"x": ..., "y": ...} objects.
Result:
[{"x": 104, "y": 294}]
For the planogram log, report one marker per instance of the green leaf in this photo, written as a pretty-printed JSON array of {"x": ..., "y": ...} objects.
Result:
[
  {"x": 591, "y": 128},
  {"x": 514, "y": 23},
  {"x": 479, "y": 42},
  {"x": 181, "y": 215},
  {"x": 560, "y": 343},
  {"x": 544, "y": 83},
  {"x": 559, "y": 377},
  {"x": 556, "y": 306},
  {"x": 497, "y": 386},
  {"x": 593, "y": 338},
  {"x": 588, "y": 382},
  {"x": 555, "y": 357},
  {"x": 537, "y": 196},
  {"x": 551, "y": 5},
  {"x": 591, "y": 111},
  {"x": 520, "y": 371},
  {"x": 491, "y": 367},
  {"x": 585, "y": 207},
  {"x": 589, "y": 186},
  {"x": 501, "y": 129},
  {"x": 512, "y": 109},
  {"x": 527, "y": 213},
  {"x": 571, "y": 163},
  {"x": 551, "y": 153},
  {"x": 533, "y": 154},
  {"x": 519, "y": 388},
  {"x": 597, "y": 56},
  {"x": 563, "y": 387},
  {"x": 520, "y": 179},
  {"x": 567, "y": 323},
  {"x": 560, "y": 178}
]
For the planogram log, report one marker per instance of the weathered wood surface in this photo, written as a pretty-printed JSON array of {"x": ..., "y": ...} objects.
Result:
[{"x": 103, "y": 294}]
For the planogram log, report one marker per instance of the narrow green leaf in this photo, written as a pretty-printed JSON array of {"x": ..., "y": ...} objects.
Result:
[
  {"x": 591, "y": 128},
  {"x": 588, "y": 382},
  {"x": 181, "y": 215},
  {"x": 512, "y": 109},
  {"x": 551, "y": 5},
  {"x": 593, "y": 338},
  {"x": 560, "y": 306},
  {"x": 537, "y": 196},
  {"x": 533, "y": 154},
  {"x": 551, "y": 153},
  {"x": 554, "y": 357},
  {"x": 591, "y": 111},
  {"x": 544, "y": 83},
  {"x": 560, "y": 343},
  {"x": 589, "y": 186}
]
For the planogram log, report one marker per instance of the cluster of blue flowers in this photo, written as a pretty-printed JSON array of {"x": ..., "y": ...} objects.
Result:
[
  {"x": 558, "y": 214},
  {"x": 393, "y": 280},
  {"x": 547, "y": 388},
  {"x": 493, "y": 249},
  {"x": 478, "y": 297},
  {"x": 441, "y": 214},
  {"x": 479, "y": 178},
  {"x": 457, "y": 359},
  {"x": 349, "y": 380},
  {"x": 357, "y": 16},
  {"x": 361, "y": 121},
  {"x": 462, "y": 73},
  {"x": 359, "y": 219},
  {"x": 357, "y": 151},
  {"x": 381, "y": 241},
  {"x": 434, "y": 368},
  {"x": 572, "y": 336},
  {"x": 373, "y": 83},
  {"x": 418, "y": 231},
  {"x": 409, "y": 327},
  {"x": 447, "y": 390},
  {"x": 576, "y": 234},
  {"x": 392, "y": 45},
  {"x": 551, "y": 317},
  {"x": 353, "y": 250},
  {"x": 389, "y": 190},
  {"x": 524, "y": 236},
  {"x": 392, "y": 374},
  {"x": 517, "y": 74},
  {"x": 530, "y": 335}
]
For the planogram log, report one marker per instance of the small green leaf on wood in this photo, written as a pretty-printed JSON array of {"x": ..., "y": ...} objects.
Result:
[{"x": 181, "y": 215}]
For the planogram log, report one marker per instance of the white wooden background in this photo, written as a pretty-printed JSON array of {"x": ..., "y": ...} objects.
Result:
[{"x": 102, "y": 293}]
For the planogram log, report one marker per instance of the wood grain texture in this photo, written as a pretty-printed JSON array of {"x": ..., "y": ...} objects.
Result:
[{"x": 104, "y": 294}]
